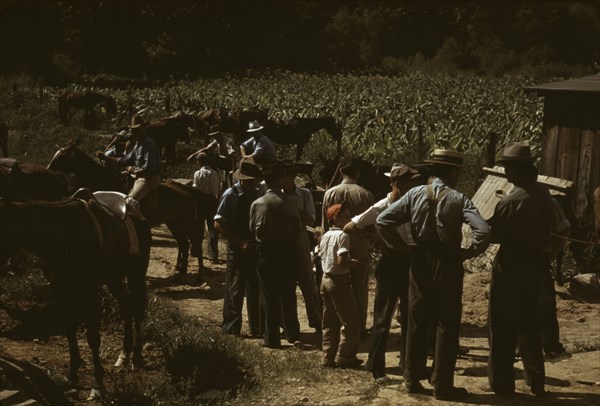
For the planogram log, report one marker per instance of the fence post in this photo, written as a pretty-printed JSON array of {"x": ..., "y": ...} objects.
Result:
[
  {"x": 420, "y": 145},
  {"x": 491, "y": 149},
  {"x": 168, "y": 103}
]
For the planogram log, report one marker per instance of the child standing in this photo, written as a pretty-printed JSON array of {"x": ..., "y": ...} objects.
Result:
[{"x": 340, "y": 345}]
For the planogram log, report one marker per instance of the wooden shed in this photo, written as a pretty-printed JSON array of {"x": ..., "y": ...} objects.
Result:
[{"x": 571, "y": 138}]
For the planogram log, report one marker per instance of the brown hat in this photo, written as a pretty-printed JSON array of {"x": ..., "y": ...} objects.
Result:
[
  {"x": 516, "y": 152},
  {"x": 446, "y": 157},
  {"x": 136, "y": 122},
  {"x": 402, "y": 172},
  {"x": 214, "y": 130},
  {"x": 247, "y": 170},
  {"x": 336, "y": 209}
]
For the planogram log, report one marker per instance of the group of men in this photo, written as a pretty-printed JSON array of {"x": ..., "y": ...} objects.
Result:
[{"x": 419, "y": 227}]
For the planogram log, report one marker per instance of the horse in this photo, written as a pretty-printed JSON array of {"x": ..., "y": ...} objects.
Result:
[
  {"x": 4, "y": 139},
  {"x": 298, "y": 131},
  {"x": 597, "y": 212},
  {"x": 85, "y": 101},
  {"x": 31, "y": 181},
  {"x": 233, "y": 121},
  {"x": 167, "y": 131},
  {"x": 171, "y": 203},
  {"x": 81, "y": 248}
]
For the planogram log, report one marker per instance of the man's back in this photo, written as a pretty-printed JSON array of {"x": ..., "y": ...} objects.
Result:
[{"x": 275, "y": 218}]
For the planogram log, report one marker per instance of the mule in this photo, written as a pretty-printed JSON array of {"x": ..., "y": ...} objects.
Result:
[
  {"x": 179, "y": 208},
  {"x": 4, "y": 139},
  {"x": 168, "y": 130},
  {"x": 85, "y": 101},
  {"x": 298, "y": 131},
  {"x": 81, "y": 248}
]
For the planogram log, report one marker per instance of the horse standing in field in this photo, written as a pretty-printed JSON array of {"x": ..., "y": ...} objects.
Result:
[
  {"x": 85, "y": 101},
  {"x": 182, "y": 208},
  {"x": 4, "y": 139},
  {"x": 83, "y": 247},
  {"x": 31, "y": 181},
  {"x": 298, "y": 131},
  {"x": 167, "y": 131}
]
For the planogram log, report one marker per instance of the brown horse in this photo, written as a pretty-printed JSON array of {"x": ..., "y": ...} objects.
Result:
[
  {"x": 298, "y": 131},
  {"x": 170, "y": 203},
  {"x": 82, "y": 248},
  {"x": 85, "y": 101},
  {"x": 167, "y": 131},
  {"x": 4, "y": 139},
  {"x": 31, "y": 181}
]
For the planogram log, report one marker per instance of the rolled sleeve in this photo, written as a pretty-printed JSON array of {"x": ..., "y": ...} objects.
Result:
[
  {"x": 226, "y": 207},
  {"x": 391, "y": 218},
  {"x": 479, "y": 227}
]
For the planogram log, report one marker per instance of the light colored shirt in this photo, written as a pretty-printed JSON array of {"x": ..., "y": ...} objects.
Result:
[
  {"x": 333, "y": 243},
  {"x": 305, "y": 202},
  {"x": 452, "y": 211},
  {"x": 359, "y": 200},
  {"x": 208, "y": 181},
  {"x": 369, "y": 216}
]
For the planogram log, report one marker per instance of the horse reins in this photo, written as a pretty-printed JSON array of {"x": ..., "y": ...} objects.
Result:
[{"x": 569, "y": 239}]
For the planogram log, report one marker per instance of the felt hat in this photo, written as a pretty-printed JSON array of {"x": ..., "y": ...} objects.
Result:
[
  {"x": 214, "y": 130},
  {"x": 402, "y": 172},
  {"x": 254, "y": 126},
  {"x": 247, "y": 170},
  {"x": 516, "y": 152}
]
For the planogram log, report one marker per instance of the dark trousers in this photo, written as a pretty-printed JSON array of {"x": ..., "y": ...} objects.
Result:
[
  {"x": 549, "y": 321},
  {"x": 277, "y": 263},
  {"x": 434, "y": 300},
  {"x": 213, "y": 241},
  {"x": 392, "y": 284},
  {"x": 514, "y": 319},
  {"x": 308, "y": 287},
  {"x": 241, "y": 279}
]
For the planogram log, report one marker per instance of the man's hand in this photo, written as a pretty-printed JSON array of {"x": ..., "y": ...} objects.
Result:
[{"x": 100, "y": 155}]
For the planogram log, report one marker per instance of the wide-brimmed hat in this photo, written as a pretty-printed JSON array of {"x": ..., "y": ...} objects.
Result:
[
  {"x": 254, "y": 126},
  {"x": 446, "y": 157},
  {"x": 516, "y": 152},
  {"x": 214, "y": 130},
  {"x": 335, "y": 209},
  {"x": 290, "y": 167},
  {"x": 247, "y": 170},
  {"x": 136, "y": 122},
  {"x": 402, "y": 172}
]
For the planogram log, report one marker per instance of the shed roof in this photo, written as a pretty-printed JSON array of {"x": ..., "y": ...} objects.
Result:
[{"x": 586, "y": 84}]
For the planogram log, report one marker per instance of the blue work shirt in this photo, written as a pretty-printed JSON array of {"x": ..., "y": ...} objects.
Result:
[
  {"x": 144, "y": 154},
  {"x": 453, "y": 210},
  {"x": 234, "y": 210},
  {"x": 263, "y": 149}
]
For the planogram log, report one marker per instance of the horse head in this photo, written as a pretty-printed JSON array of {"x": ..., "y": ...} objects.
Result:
[
  {"x": 334, "y": 129},
  {"x": 69, "y": 158}
]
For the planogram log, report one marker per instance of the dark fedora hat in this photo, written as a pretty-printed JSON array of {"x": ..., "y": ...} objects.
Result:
[
  {"x": 516, "y": 152},
  {"x": 402, "y": 172},
  {"x": 247, "y": 170},
  {"x": 136, "y": 122},
  {"x": 446, "y": 157},
  {"x": 215, "y": 129}
]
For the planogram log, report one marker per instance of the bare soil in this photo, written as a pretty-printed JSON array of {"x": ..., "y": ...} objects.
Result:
[{"x": 574, "y": 380}]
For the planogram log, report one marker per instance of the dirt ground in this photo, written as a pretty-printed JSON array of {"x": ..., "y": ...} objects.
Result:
[{"x": 573, "y": 381}]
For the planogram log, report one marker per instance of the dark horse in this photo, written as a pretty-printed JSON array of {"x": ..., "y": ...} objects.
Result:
[
  {"x": 85, "y": 101},
  {"x": 233, "y": 121},
  {"x": 4, "y": 139},
  {"x": 298, "y": 131},
  {"x": 182, "y": 208},
  {"x": 167, "y": 131},
  {"x": 82, "y": 248},
  {"x": 31, "y": 181}
]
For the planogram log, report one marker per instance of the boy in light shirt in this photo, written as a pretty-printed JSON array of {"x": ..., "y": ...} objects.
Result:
[{"x": 340, "y": 345}]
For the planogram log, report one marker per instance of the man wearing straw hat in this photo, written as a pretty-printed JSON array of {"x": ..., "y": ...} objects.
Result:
[
  {"x": 435, "y": 213},
  {"x": 521, "y": 224}
]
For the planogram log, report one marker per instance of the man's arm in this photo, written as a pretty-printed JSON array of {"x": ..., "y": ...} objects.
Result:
[
  {"x": 481, "y": 232},
  {"x": 391, "y": 218}
]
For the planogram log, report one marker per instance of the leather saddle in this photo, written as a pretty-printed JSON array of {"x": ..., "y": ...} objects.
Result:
[
  {"x": 9, "y": 165},
  {"x": 115, "y": 203}
]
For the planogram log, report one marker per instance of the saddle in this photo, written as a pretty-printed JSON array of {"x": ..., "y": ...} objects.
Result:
[
  {"x": 114, "y": 205},
  {"x": 9, "y": 166}
]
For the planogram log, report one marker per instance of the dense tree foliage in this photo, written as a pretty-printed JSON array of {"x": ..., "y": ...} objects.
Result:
[{"x": 63, "y": 39}]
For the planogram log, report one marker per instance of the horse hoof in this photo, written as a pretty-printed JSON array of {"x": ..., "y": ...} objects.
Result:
[
  {"x": 122, "y": 360},
  {"x": 96, "y": 394}
]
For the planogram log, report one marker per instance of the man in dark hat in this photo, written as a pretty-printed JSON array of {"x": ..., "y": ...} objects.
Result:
[
  {"x": 258, "y": 146},
  {"x": 358, "y": 199},
  {"x": 142, "y": 162},
  {"x": 391, "y": 272},
  {"x": 522, "y": 225},
  {"x": 275, "y": 222},
  {"x": 435, "y": 214},
  {"x": 231, "y": 221}
]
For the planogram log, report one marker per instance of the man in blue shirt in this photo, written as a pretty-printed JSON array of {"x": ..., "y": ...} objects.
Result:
[
  {"x": 435, "y": 214},
  {"x": 259, "y": 147},
  {"x": 232, "y": 221}
]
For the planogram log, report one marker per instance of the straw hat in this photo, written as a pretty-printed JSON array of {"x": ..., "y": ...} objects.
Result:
[
  {"x": 446, "y": 157},
  {"x": 254, "y": 126}
]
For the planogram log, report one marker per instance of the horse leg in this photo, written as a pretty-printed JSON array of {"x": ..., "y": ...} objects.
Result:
[
  {"x": 92, "y": 328},
  {"x": 137, "y": 287},
  {"x": 75, "y": 360},
  {"x": 119, "y": 292},
  {"x": 183, "y": 247},
  {"x": 299, "y": 149}
]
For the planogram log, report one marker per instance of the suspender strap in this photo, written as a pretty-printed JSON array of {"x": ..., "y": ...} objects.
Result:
[{"x": 433, "y": 200}]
